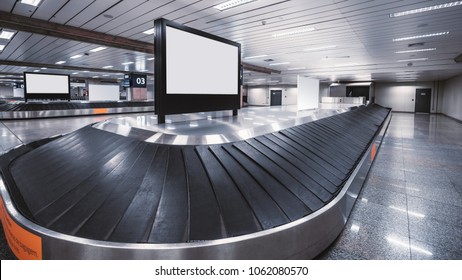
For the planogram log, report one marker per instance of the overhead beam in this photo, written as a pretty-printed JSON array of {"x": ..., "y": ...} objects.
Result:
[
  {"x": 260, "y": 69},
  {"x": 43, "y": 27},
  {"x": 37, "y": 26},
  {"x": 66, "y": 67}
]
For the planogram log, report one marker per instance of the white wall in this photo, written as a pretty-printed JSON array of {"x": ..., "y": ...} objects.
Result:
[
  {"x": 103, "y": 92},
  {"x": 258, "y": 96},
  {"x": 451, "y": 100},
  {"x": 401, "y": 96},
  {"x": 308, "y": 93}
]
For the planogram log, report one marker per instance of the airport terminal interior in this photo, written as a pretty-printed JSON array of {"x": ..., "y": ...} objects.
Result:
[{"x": 241, "y": 129}]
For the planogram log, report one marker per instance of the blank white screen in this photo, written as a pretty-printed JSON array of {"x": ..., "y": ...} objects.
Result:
[
  {"x": 47, "y": 84},
  {"x": 198, "y": 65}
]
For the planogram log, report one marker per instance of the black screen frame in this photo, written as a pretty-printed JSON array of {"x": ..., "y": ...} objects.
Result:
[
  {"x": 169, "y": 104},
  {"x": 45, "y": 95}
]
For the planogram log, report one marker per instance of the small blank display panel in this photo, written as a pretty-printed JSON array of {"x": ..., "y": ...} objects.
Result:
[
  {"x": 46, "y": 84},
  {"x": 199, "y": 65}
]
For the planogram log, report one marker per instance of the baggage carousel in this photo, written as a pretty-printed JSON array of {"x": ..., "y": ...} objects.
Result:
[
  {"x": 101, "y": 193},
  {"x": 16, "y": 110}
]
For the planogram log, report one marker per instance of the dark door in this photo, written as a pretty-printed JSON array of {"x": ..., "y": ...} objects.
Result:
[
  {"x": 276, "y": 97},
  {"x": 423, "y": 99},
  {"x": 357, "y": 91}
]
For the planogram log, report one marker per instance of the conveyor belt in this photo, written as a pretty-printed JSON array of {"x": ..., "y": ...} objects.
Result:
[
  {"x": 102, "y": 186},
  {"x": 70, "y": 105}
]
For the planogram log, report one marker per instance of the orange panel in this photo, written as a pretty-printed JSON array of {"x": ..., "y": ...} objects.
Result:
[
  {"x": 100, "y": 111},
  {"x": 25, "y": 245},
  {"x": 374, "y": 151}
]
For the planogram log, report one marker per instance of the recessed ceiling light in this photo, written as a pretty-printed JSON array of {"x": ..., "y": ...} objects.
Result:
[
  {"x": 320, "y": 48},
  {"x": 75, "y": 73},
  {"x": 2, "y": 47},
  {"x": 427, "y": 9},
  {"x": 256, "y": 56},
  {"x": 76, "y": 56},
  {"x": 60, "y": 62},
  {"x": 107, "y": 67},
  {"x": 279, "y": 63},
  {"x": 34, "y": 3},
  {"x": 128, "y": 63},
  {"x": 151, "y": 58},
  {"x": 413, "y": 59},
  {"x": 296, "y": 68},
  {"x": 6, "y": 35},
  {"x": 231, "y": 4},
  {"x": 149, "y": 31},
  {"x": 420, "y": 36},
  {"x": 36, "y": 70},
  {"x": 95, "y": 77},
  {"x": 86, "y": 71},
  {"x": 98, "y": 49},
  {"x": 418, "y": 50},
  {"x": 294, "y": 32},
  {"x": 106, "y": 75},
  {"x": 43, "y": 68}
]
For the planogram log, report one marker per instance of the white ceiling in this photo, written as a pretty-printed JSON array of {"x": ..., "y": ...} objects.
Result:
[{"x": 361, "y": 30}]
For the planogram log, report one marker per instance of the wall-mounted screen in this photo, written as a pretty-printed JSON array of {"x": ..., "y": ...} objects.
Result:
[
  {"x": 194, "y": 71},
  {"x": 46, "y": 86}
]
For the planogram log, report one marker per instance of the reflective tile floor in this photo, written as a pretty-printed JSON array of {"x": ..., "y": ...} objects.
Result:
[{"x": 410, "y": 206}]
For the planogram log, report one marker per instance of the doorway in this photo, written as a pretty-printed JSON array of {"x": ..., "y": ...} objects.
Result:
[
  {"x": 423, "y": 99},
  {"x": 276, "y": 98}
]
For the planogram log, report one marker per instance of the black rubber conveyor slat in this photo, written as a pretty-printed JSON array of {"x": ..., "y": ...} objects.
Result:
[{"x": 103, "y": 186}]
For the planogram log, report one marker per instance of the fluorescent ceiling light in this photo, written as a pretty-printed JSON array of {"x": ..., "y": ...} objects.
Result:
[
  {"x": 75, "y": 73},
  {"x": 106, "y": 75},
  {"x": 128, "y": 63},
  {"x": 427, "y": 9},
  {"x": 419, "y": 50},
  {"x": 347, "y": 65},
  {"x": 294, "y": 32},
  {"x": 420, "y": 36},
  {"x": 320, "y": 48},
  {"x": 76, "y": 56},
  {"x": 149, "y": 31},
  {"x": 279, "y": 63},
  {"x": 44, "y": 68},
  {"x": 34, "y": 3},
  {"x": 95, "y": 77},
  {"x": 231, "y": 4},
  {"x": 151, "y": 58},
  {"x": 334, "y": 84},
  {"x": 2, "y": 47},
  {"x": 296, "y": 68},
  {"x": 98, "y": 49},
  {"x": 108, "y": 66},
  {"x": 86, "y": 71},
  {"x": 413, "y": 59},
  {"x": 60, "y": 62},
  {"x": 6, "y": 35},
  {"x": 256, "y": 56},
  {"x": 36, "y": 70}
]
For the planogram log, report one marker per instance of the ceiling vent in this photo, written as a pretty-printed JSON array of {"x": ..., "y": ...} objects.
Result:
[
  {"x": 269, "y": 60},
  {"x": 458, "y": 58},
  {"x": 416, "y": 45}
]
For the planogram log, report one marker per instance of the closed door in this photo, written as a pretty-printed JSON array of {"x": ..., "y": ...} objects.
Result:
[
  {"x": 423, "y": 99},
  {"x": 276, "y": 97}
]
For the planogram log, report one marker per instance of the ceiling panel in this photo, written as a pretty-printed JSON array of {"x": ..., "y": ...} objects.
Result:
[{"x": 361, "y": 31}]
